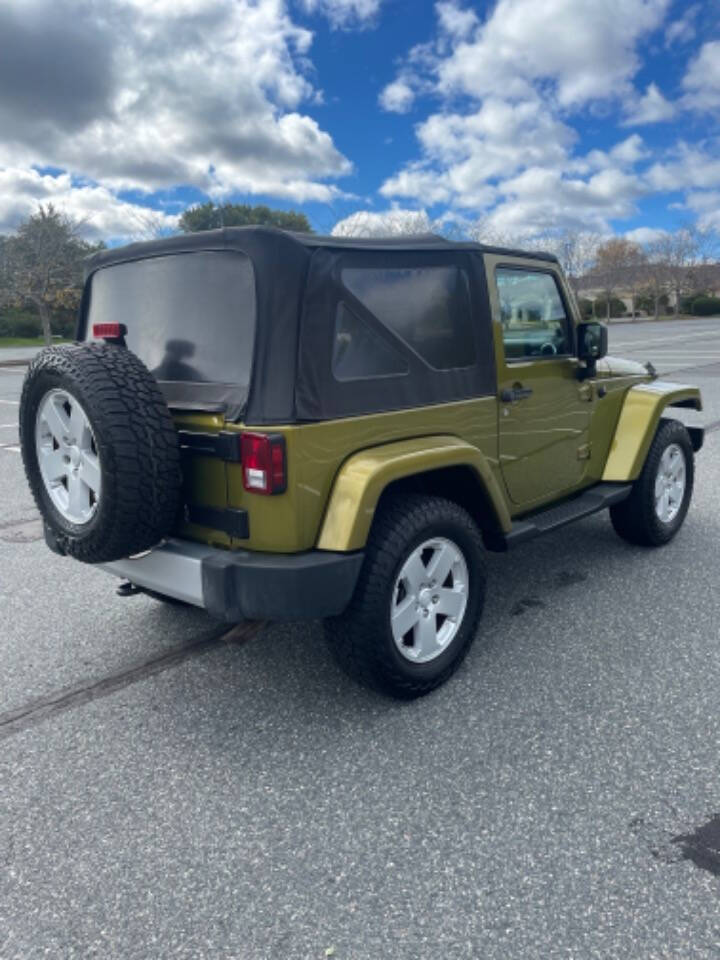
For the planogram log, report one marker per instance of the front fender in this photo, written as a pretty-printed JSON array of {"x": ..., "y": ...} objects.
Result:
[
  {"x": 363, "y": 477},
  {"x": 639, "y": 418}
]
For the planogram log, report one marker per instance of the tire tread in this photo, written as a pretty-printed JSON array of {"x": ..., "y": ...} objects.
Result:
[
  {"x": 137, "y": 441},
  {"x": 354, "y": 636}
]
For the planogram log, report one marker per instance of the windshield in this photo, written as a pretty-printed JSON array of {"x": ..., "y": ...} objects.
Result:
[{"x": 190, "y": 317}]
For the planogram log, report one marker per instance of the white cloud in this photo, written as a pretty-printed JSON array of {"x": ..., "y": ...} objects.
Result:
[
  {"x": 509, "y": 154},
  {"x": 702, "y": 79},
  {"x": 690, "y": 168},
  {"x": 584, "y": 48},
  {"x": 706, "y": 204},
  {"x": 645, "y": 235},
  {"x": 418, "y": 182},
  {"x": 629, "y": 151},
  {"x": 540, "y": 199},
  {"x": 651, "y": 107},
  {"x": 683, "y": 29},
  {"x": 150, "y": 94},
  {"x": 626, "y": 153},
  {"x": 462, "y": 153},
  {"x": 454, "y": 19},
  {"x": 102, "y": 215},
  {"x": 397, "y": 97},
  {"x": 343, "y": 14}
]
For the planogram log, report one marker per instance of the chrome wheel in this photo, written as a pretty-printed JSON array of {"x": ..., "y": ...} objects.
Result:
[
  {"x": 68, "y": 457},
  {"x": 670, "y": 483},
  {"x": 429, "y": 600}
]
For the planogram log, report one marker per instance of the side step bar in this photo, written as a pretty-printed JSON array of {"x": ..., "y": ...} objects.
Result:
[{"x": 591, "y": 501}]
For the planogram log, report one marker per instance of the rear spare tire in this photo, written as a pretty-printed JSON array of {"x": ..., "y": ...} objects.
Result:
[{"x": 100, "y": 451}]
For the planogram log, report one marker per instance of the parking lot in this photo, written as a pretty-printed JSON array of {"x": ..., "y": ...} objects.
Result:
[{"x": 170, "y": 787}]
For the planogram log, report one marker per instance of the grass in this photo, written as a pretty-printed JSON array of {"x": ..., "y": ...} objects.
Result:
[{"x": 27, "y": 341}]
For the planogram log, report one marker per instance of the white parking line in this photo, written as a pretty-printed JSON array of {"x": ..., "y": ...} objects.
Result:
[
  {"x": 10, "y": 448},
  {"x": 15, "y": 403},
  {"x": 707, "y": 334},
  {"x": 6, "y": 426}
]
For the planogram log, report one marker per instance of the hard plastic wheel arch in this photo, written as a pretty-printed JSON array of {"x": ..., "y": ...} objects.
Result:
[
  {"x": 364, "y": 477},
  {"x": 640, "y": 416}
]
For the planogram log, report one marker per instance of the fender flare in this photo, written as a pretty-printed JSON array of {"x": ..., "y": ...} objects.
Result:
[
  {"x": 641, "y": 412},
  {"x": 362, "y": 479}
]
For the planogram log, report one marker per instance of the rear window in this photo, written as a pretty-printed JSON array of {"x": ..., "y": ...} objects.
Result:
[{"x": 190, "y": 317}]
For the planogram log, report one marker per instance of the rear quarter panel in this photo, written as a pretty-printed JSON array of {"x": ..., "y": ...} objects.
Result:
[{"x": 291, "y": 521}]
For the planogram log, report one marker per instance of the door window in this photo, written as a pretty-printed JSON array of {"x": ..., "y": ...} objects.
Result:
[{"x": 534, "y": 320}]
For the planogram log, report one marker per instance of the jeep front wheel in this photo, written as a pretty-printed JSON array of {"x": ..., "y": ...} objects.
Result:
[
  {"x": 418, "y": 601},
  {"x": 656, "y": 508}
]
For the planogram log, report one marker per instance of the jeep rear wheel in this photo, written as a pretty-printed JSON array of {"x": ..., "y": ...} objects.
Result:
[
  {"x": 418, "y": 601},
  {"x": 100, "y": 451},
  {"x": 656, "y": 508}
]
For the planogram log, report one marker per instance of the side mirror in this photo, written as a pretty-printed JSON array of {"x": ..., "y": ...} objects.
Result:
[{"x": 592, "y": 344}]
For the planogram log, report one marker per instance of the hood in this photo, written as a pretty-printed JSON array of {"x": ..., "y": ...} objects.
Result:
[{"x": 620, "y": 367}]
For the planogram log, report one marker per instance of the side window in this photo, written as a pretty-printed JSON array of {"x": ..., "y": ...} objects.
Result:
[
  {"x": 428, "y": 307},
  {"x": 533, "y": 316},
  {"x": 359, "y": 352}
]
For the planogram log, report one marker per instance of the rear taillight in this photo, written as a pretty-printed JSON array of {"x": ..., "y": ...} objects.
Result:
[
  {"x": 109, "y": 331},
  {"x": 263, "y": 462}
]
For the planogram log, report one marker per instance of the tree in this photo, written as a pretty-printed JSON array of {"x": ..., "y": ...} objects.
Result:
[
  {"x": 618, "y": 265},
  {"x": 656, "y": 275},
  {"x": 41, "y": 265},
  {"x": 575, "y": 249},
  {"x": 208, "y": 216},
  {"x": 389, "y": 223}
]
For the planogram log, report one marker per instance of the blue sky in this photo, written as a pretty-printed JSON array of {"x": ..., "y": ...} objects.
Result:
[{"x": 508, "y": 118}]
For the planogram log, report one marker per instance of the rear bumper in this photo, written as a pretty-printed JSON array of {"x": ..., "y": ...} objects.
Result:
[{"x": 240, "y": 584}]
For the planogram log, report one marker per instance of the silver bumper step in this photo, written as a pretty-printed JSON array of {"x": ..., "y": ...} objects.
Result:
[{"x": 173, "y": 569}]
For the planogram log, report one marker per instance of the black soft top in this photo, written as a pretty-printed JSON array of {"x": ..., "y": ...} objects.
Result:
[
  {"x": 298, "y": 291},
  {"x": 258, "y": 238}
]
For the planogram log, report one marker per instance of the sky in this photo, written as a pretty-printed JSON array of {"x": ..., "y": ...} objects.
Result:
[{"x": 521, "y": 115}]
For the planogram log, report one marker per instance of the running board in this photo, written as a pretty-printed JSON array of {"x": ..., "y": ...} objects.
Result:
[{"x": 591, "y": 501}]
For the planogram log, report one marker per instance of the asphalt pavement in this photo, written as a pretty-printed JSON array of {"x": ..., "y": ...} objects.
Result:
[{"x": 169, "y": 788}]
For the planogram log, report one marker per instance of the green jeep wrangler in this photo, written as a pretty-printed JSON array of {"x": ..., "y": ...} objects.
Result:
[{"x": 271, "y": 425}]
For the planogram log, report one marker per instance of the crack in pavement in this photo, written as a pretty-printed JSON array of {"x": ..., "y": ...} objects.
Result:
[{"x": 18, "y": 720}]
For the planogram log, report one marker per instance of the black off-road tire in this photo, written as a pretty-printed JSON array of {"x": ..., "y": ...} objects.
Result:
[
  {"x": 136, "y": 442},
  {"x": 635, "y": 519},
  {"x": 361, "y": 638}
]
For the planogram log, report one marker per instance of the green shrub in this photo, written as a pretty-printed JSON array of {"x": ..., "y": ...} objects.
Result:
[
  {"x": 646, "y": 303},
  {"x": 64, "y": 324},
  {"x": 705, "y": 306},
  {"x": 19, "y": 323},
  {"x": 25, "y": 323},
  {"x": 617, "y": 308}
]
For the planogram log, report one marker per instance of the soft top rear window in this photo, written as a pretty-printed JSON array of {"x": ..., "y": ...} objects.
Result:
[{"x": 190, "y": 318}]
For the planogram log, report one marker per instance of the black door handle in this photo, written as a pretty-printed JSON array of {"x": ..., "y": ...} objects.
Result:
[{"x": 516, "y": 393}]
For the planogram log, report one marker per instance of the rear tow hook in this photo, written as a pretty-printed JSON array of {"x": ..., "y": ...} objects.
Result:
[{"x": 127, "y": 589}]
